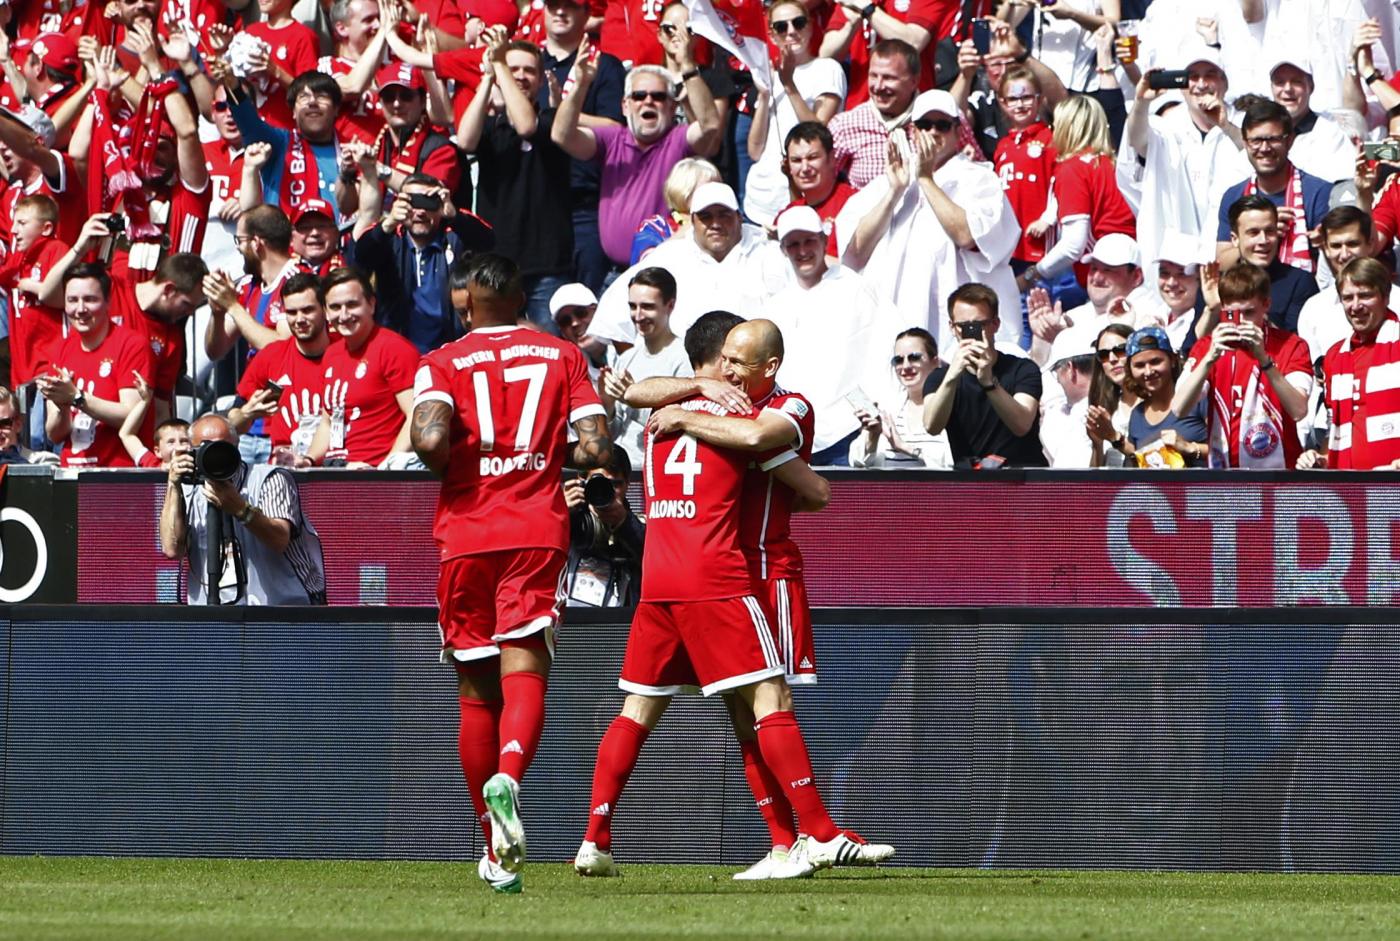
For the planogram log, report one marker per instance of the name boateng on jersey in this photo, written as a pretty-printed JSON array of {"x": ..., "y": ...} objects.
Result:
[{"x": 514, "y": 393}]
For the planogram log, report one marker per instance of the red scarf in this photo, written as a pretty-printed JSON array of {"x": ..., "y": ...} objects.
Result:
[
  {"x": 405, "y": 159},
  {"x": 126, "y": 143},
  {"x": 1364, "y": 412},
  {"x": 301, "y": 177},
  {"x": 1247, "y": 424},
  {"x": 1293, "y": 248},
  {"x": 321, "y": 270}
]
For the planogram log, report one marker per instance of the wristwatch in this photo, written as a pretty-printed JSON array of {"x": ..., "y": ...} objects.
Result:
[
  {"x": 687, "y": 76},
  {"x": 988, "y": 388},
  {"x": 80, "y": 401},
  {"x": 868, "y": 11},
  {"x": 1372, "y": 77},
  {"x": 245, "y": 515}
]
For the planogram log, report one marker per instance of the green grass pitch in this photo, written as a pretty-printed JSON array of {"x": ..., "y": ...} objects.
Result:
[{"x": 152, "y": 899}]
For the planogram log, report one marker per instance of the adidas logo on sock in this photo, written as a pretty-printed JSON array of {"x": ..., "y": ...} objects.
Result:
[
  {"x": 512, "y": 746},
  {"x": 602, "y": 810},
  {"x": 806, "y": 663}
]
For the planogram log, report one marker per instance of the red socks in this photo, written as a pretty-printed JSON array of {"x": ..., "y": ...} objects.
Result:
[
  {"x": 522, "y": 721},
  {"x": 476, "y": 747},
  {"x": 768, "y": 795},
  {"x": 617, "y": 756},
  {"x": 785, "y": 753}
]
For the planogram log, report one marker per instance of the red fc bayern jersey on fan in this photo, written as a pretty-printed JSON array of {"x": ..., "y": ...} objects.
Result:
[
  {"x": 1087, "y": 185},
  {"x": 1025, "y": 161},
  {"x": 765, "y": 515},
  {"x": 514, "y": 392},
  {"x": 359, "y": 117},
  {"x": 363, "y": 385},
  {"x": 225, "y": 166},
  {"x": 629, "y": 31},
  {"x": 693, "y": 491},
  {"x": 939, "y": 17},
  {"x": 68, "y": 192},
  {"x": 294, "y": 48},
  {"x": 35, "y": 329},
  {"x": 166, "y": 340},
  {"x": 103, "y": 373},
  {"x": 303, "y": 382}
]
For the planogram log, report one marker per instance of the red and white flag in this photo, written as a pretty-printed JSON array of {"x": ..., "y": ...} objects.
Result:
[{"x": 739, "y": 26}]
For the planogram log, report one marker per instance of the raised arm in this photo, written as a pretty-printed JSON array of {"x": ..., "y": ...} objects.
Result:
[
  {"x": 704, "y": 133},
  {"x": 875, "y": 223},
  {"x": 578, "y": 142},
  {"x": 659, "y": 391},
  {"x": 194, "y": 172},
  {"x": 473, "y": 121},
  {"x": 764, "y": 432},
  {"x": 91, "y": 235}
]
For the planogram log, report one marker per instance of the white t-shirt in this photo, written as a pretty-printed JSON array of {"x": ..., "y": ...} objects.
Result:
[
  {"x": 933, "y": 450},
  {"x": 628, "y": 423},
  {"x": 766, "y": 188},
  {"x": 1064, "y": 436},
  {"x": 753, "y": 270},
  {"x": 834, "y": 336},
  {"x": 1065, "y": 47},
  {"x": 1325, "y": 151}
]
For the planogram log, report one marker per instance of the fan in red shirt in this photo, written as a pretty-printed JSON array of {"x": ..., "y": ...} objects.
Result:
[
  {"x": 491, "y": 417},
  {"x": 921, "y": 23},
  {"x": 1090, "y": 205},
  {"x": 283, "y": 386},
  {"x": 32, "y": 166},
  {"x": 368, "y": 379},
  {"x": 52, "y": 76},
  {"x": 1360, "y": 372},
  {"x": 291, "y": 49},
  {"x": 91, "y": 383},
  {"x": 1259, "y": 378},
  {"x": 155, "y": 309},
  {"x": 810, "y": 165},
  {"x": 629, "y": 31},
  {"x": 35, "y": 329},
  {"x": 359, "y": 47},
  {"x": 1025, "y": 159},
  {"x": 712, "y": 627},
  {"x": 223, "y": 159}
]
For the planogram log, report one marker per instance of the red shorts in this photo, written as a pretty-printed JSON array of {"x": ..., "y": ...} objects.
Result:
[
  {"x": 792, "y": 625},
  {"x": 716, "y": 645},
  {"x": 491, "y": 597}
]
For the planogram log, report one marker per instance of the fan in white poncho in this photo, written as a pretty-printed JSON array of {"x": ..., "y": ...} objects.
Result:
[{"x": 933, "y": 222}]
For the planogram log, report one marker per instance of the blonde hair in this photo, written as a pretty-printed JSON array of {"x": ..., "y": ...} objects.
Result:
[
  {"x": 791, "y": 3},
  {"x": 1081, "y": 127},
  {"x": 683, "y": 179}
]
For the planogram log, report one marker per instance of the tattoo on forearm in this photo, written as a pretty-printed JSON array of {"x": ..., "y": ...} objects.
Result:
[
  {"x": 428, "y": 430},
  {"x": 594, "y": 448}
]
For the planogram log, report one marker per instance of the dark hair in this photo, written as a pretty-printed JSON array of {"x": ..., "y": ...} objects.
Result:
[
  {"x": 898, "y": 49},
  {"x": 305, "y": 281},
  {"x": 495, "y": 273},
  {"x": 1102, "y": 390},
  {"x": 705, "y": 338},
  {"x": 1252, "y": 203},
  {"x": 1342, "y": 217},
  {"x": 658, "y": 278},
  {"x": 1244, "y": 282},
  {"x": 974, "y": 293},
  {"x": 1366, "y": 272},
  {"x": 524, "y": 45},
  {"x": 171, "y": 423},
  {"x": 923, "y": 336},
  {"x": 339, "y": 276},
  {"x": 91, "y": 270},
  {"x": 185, "y": 270},
  {"x": 810, "y": 131},
  {"x": 459, "y": 276},
  {"x": 1259, "y": 110},
  {"x": 271, "y": 225},
  {"x": 422, "y": 179},
  {"x": 621, "y": 464},
  {"x": 319, "y": 82},
  {"x": 1136, "y": 388}
]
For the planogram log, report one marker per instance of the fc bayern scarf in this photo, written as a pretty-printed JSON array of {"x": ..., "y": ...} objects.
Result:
[
  {"x": 1293, "y": 247},
  {"x": 301, "y": 177},
  {"x": 126, "y": 145},
  {"x": 405, "y": 160}
]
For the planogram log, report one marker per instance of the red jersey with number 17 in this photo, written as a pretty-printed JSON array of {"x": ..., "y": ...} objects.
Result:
[
  {"x": 693, "y": 491},
  {"x": 765, "y": 520},
  {"x": 514, "y": 392}
]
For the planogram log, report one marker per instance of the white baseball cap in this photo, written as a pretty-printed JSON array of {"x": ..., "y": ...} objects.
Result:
[
  {"x": 1179, "y": 248},
  {"x": 798, "y": 219},
  {"x": 1115, "y": 250},
  {"x": 571, "y": 295},
  {"x": 1070, "y": 343},
  {"x": 1197, "y": 51},
  {"x": 713, "y": 194},
  {"x": 1299, "y": 60},
  {"x": 935, "y": 100}
]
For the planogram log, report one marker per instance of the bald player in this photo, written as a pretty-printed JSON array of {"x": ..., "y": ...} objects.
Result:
[{"x": 735, "y": 367}]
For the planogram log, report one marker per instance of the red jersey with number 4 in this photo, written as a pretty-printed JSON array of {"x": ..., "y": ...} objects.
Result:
[
  {"x": 361, "y": 393},
  {"x": 514, "y": 392},
  {"x": 765, "y": 519},
  {"x": 101, "y": 373},
  {"x": 693, "y": 491}
]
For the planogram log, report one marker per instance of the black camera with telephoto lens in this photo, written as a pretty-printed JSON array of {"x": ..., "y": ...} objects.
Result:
[
  {"x": 214, "y": 460},
  {"x": 598, "y": 491}
]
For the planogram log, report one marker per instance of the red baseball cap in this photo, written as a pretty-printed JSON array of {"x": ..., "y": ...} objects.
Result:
[
  {"x": 309, "y": 206},
  {"x": 493, "y": 12},
  {"x": 56, "y": 51},
  {"x": 399, "y": 73}
]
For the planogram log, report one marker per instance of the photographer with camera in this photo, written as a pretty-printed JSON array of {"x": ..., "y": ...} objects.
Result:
[
  {"x": 605, "y": 538},
  {"x": 240, "y": 526},
  {"x": 409, "y": 252}
]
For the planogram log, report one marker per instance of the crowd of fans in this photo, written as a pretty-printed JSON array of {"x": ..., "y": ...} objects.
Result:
[{"x": 1070, "y": 233}]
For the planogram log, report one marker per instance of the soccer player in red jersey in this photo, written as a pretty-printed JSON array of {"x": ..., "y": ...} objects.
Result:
[
  {"x": 665, "y": 652},
  {"x": 490, "y": 417}
]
